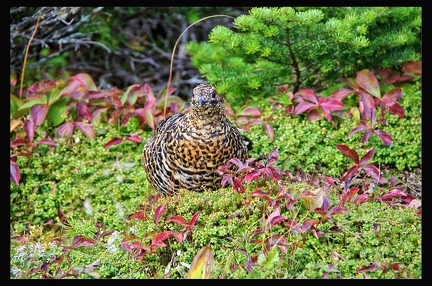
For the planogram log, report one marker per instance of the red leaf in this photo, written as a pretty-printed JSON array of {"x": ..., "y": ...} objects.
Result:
[
  {"x": 252, "y": 175},
  {"x": 280, "y": 241},
  {"x": 95, "y": 95},
  {"x": 369, "y": 155},
  {"x": 85, "y": 80},
  {"x": 126, "y": 117},
  {"x": 337, "y": 210},
  {"x": 331, "y": 104},
  {"x": 269, "y": 131},
  {"x": 361, "y": 198},
  {"x": 65, "y": 130},
  {"x": 71, "y": 86},
  {"x": 15, "y": 172},
  {"x": 133, "y": 138},
  {"x": 115, "y": 116},
  {"x": 80, "y": 241},
  {"x": 87, "y": 129},
  {"x": 112, "y": 142},
  {"x": 350, "y": 82},
  {"x": 238, "y": 186},
  {"x": 38, "y": 113},
  {"x": 365, "y": 137},
  {"x": 62, "y": 217},
  {"x": 178, "y": 219},
  {"x": 273, "y": 156},
  {"x": 138, "y": 215},
  {"x": 309, "y": 95},
  {"x": 273, "y": 215},
  {"x": 83, "y": 111},
  {"x": 385, "y": 137},
  {"x": 97, "y": 113},
  {"x": 254, "y": 233},
  {"x": 226, "y": 179},
  {"x": 313, "y": 114},
  {"x": 306, "y": 194},
  {"x": 292, "y": 223},
  {"x": 340, "y": 94},
  {"x": 393, "y": 194},
  {"x": 362, "y": 126},
  {"x": 42, "y": 86},
  {"x": 367, "y": 268},
  {"x": 236, "y": 162},
  {"x": 158, "y": 212},
  {"x": 250, "y": 111},
  {"x": 346, "y": 196},
  {"x": 329, "y": 180},
  {"x": 367, "y": 107},
  {"x": 19, "y": 141},
  {"x": 350, "y": 173},
  {"x": 29, "y": 128},
  {"x": 398, "y": 78},
  {"x": 368, "y": 82},
  {"x": 149, "y": 118},
  {"x": 180, "y": 236},
  {"x": 392, "y": 95},
  {"x": 307, "y": 224},
  {"x": 193, "y": 220},
  {"x": 397, "y": 109},
  {"x": 384, "y": 73},
  {"x": 260, "y": 194},
  {"x": 158, "y": 239},
  {"x": 348, "y": 152},
  {"x": 302, "y": 107},
  {"x": 373, "y": 172},
  {"x": 412, "y": 67},
  {"x": 46, "y": 141}
]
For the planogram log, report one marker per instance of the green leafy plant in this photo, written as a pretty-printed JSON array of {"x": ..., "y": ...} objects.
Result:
[
  {"x": 304, "y": 48},
  {"x": 76, "y": 102}
]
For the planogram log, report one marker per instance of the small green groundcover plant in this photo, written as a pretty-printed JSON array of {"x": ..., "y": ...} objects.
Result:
[
  {"x": 72, "y": 218},
  {"x": 285, "y": 214},
  {"x": 271, "y": 224}
]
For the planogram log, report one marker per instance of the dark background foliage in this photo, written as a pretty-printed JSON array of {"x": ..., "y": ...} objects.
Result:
[{"x": 117, "y": 46}]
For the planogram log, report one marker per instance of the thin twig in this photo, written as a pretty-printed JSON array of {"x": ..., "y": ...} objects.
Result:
[
  {"x": 173, "y": 53},
  {"x": 26, "y": 53}
]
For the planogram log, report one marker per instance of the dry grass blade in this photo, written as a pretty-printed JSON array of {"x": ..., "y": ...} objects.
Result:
[
  {"x": 26, "y": 52},
  {"x": 202, "y": 264}
]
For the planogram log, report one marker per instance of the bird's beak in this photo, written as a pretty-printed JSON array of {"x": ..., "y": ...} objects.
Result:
[{"x": 201, "y": 101}]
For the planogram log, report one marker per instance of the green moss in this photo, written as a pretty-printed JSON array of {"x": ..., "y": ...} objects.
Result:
[{"x": 91, "y": 184}]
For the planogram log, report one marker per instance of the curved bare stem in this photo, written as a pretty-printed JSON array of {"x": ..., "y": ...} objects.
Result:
[
  {"x": 173, "y": 53},
  {"x": 26, "y": 53}
]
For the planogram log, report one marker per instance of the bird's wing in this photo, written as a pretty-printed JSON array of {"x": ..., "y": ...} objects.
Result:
[{"x": 167, "y": 123}]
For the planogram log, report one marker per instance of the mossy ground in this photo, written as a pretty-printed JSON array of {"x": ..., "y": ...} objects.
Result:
[{"x": 91, "y": 184}]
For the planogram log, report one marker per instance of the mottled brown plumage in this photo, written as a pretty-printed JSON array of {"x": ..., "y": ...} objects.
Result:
[{"x": 186, "y": 149}]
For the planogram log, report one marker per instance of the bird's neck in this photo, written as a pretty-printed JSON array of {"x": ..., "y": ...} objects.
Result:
[{"x": 199, "y": 121}]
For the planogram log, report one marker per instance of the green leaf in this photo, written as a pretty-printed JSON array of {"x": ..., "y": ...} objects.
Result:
[
  {"x": 31, "y": 102},
  {"x": 15, "y": 103},
  {"x": 56, "y": 113}
]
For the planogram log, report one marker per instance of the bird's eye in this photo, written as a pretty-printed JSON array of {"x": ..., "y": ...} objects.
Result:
[{"x": 213, "y": 95}]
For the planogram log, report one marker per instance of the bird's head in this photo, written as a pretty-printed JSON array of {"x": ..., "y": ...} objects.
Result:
[{"x": 206, "y": 104}]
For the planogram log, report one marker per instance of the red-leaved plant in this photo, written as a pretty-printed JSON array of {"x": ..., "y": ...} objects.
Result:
[{"x": 75, "y": 104}]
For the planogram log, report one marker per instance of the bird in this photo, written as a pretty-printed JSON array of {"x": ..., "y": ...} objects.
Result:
[{"x": 186, "y": 149}]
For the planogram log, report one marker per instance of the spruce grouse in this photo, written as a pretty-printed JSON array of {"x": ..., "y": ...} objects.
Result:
[{"x": 186, "y": 148}]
